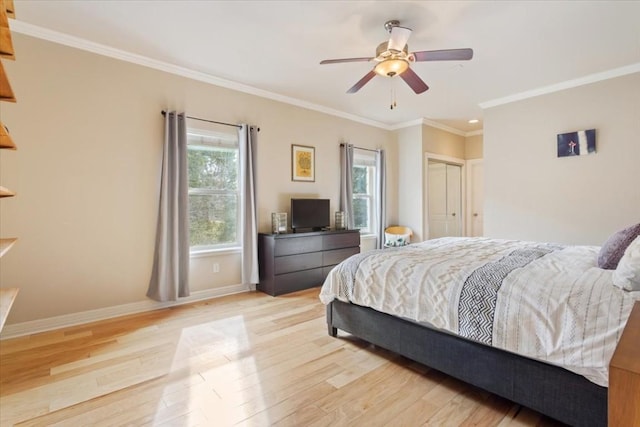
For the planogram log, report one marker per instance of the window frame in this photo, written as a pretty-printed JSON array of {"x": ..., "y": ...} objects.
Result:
[
  {"x": 367, "y": 159},
  {"x": 215, "y": 141}
]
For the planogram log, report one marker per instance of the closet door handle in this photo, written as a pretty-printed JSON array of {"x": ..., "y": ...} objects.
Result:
[
  {"x": 453, "y": 214},
  {"x": 475, "y": 214}
]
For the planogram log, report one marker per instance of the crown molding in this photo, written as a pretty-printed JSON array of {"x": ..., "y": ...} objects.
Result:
[
  {"x": 100, "y": 49},
  {"x": 445, "y": 128},
  {"x": 475, "y": 132},
  {"x": 431, "y": 123},
  {"x": 398, "y": 126},
  {"x": 592, "y": 78}
]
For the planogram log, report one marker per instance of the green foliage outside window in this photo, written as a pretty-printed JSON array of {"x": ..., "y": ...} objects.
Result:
[
  {"x": 213, "y": 195},
  {"x": 360, "y": 180},
  {"x": 212, "y": 168},
  {"x": 360, "y": 197},
  {"x": 212, "y": 219},
  {"x": 361, "y": 213}
]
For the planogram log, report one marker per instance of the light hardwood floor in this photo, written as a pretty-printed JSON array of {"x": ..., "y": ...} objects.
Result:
[{"x": 247, "y": 359}]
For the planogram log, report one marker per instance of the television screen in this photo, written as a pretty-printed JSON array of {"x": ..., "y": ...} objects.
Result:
[{"x": 310, "y": 213}]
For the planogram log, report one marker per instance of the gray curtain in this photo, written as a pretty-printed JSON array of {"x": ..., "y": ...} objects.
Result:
[
  {"x": 248, "y": 138},
  {"x": 381, "y": 195},
  {"x": 346, "y": 182},
  {"x": 170, "y": 274}
]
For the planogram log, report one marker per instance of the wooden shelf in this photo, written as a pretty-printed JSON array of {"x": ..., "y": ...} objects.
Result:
[
  {"x": 6, "y": 141},
  {"x": 6, "y": 45},
  {"x": 10, "y": 8},
  {"x": 5, "y": 245},
  {"x": 7, "y": 296},
  {"x": 6, "y": 93},
  {"x": 5, "y": 192}
]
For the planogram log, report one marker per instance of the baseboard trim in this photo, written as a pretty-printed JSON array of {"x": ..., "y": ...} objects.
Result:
[{"x": 57, "y": 322}]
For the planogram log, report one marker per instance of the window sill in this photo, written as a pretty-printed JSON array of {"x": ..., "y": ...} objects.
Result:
[
  {"x": 368, "y": 236},
  {"x": 214, "y": 252}
]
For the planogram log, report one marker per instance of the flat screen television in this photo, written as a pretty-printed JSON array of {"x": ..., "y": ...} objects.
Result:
[{"x": 310, "y": 214}]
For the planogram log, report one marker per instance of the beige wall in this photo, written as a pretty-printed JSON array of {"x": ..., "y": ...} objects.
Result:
[
  {"x": 89, "y": 134},
  {"x": 473, "y": 147},
  {"x": 532, "y": 194},
  {"x": 410, "y": 179},
  {"x": 437, "y": 141}
]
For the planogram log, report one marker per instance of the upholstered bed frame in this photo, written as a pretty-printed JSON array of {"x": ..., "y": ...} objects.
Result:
[{"x": 549, "y": 389}]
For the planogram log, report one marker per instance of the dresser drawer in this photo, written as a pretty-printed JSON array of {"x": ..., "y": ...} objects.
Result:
[
  {"x": 298, "y": 280},
  {"x": 337, "y": 255},
  {"x": 289, "y": 263},
  {"x": 297, "y": 245},
  {"x": 340, "y": 240}
]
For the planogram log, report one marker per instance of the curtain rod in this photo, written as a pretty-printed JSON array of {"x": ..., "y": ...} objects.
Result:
[
  {"x": 365, "y": 149},
  {"x": 164, "y": 113}
]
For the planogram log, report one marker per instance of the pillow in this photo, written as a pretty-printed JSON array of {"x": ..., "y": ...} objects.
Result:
[
  {"x": 613, "y": 249},
  {"x": 627, "y": 275},
  {"x": 393, "y": 240}
]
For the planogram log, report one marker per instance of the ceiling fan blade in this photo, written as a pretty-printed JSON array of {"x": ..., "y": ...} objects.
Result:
[
  {"x": 399, "y": 38},
  {"x": 444, "y": 55},
  {"x": 414, "y": 81},
  {"x": 339, "y": 61},
  {"x": 363, "y": 81}
]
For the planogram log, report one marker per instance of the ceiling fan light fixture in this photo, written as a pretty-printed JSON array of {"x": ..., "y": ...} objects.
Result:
[
  {"x": 391, "y": 67},
  {"x": 394, "y": 59}
]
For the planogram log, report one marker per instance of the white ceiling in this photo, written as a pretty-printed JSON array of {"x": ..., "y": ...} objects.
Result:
[{"x": 276, "y": 46}]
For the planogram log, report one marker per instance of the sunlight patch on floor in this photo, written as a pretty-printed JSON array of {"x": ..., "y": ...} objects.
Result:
[{"x": 216, "y": 384}]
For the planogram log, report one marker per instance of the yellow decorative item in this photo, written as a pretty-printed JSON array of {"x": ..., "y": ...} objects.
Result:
[{"x": 302, "y": 163}]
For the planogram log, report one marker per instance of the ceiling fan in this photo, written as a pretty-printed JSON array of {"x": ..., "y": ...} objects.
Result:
[{"x": 393, "y": 59}]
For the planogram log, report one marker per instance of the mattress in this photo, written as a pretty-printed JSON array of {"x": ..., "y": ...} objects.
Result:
[{"x": 544, "y": 301}]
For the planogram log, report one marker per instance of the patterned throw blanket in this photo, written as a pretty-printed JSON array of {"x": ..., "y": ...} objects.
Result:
[
  {"x": 544, "y": 301},
  {"x": 479, "y": 294}
]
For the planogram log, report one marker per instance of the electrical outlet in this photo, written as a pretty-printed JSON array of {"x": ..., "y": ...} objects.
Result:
[{"x": 216, "y": 267}]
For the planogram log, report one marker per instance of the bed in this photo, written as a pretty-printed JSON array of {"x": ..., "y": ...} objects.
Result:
[{"x": 535, "y": 323}]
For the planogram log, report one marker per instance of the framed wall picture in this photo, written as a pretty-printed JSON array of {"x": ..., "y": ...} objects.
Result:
[
  {"x": 577, "y": 143},
  {"x": 303, "y": 166}
]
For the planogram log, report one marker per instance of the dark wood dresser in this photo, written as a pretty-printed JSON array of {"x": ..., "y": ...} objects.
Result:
[{"x": 295, "y": 261}]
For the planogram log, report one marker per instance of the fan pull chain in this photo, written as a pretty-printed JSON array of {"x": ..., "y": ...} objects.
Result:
[{"x": 393, "y": 96}]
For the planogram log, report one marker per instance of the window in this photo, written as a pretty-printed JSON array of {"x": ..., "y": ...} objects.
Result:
[
  {"x": 364, "y": 199},
  {"x": 214, "y": 197}
]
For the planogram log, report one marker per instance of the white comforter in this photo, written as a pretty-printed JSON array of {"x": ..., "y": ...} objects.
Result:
[{"x": 559, "y": 307}]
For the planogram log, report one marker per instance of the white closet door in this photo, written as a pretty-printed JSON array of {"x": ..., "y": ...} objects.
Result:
[
  {"x": 437, "y": 193},
  {"x": 454, "y": 200},
  {"x": 444, "y": 187},
  {"x": 475, "y": 172}
]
